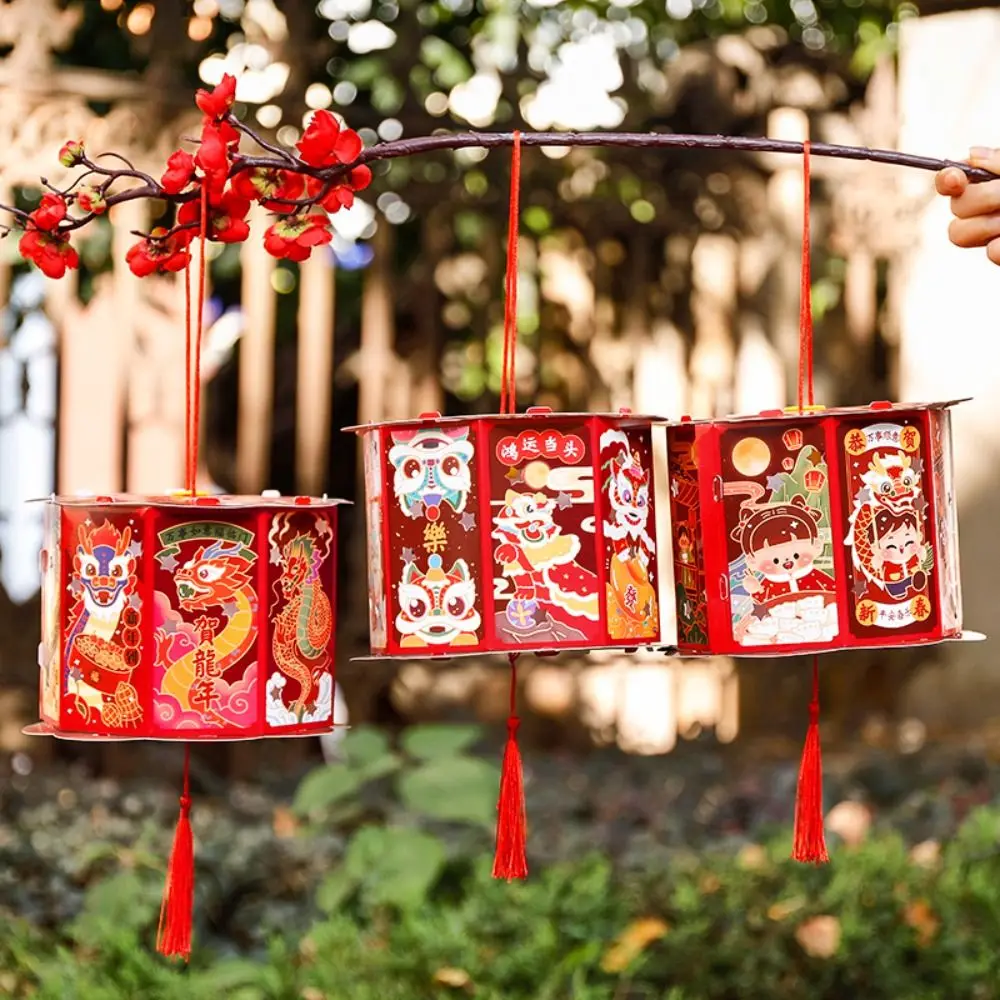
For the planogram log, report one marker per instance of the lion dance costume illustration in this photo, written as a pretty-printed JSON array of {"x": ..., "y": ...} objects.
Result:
[
  {"x": 631, "y": 594},
  {"x": 102, "y": 647},
  {"x": 301, "y": 630},
  {"x": 886, "y": 527},
  {"x": 540, "y": 562}
]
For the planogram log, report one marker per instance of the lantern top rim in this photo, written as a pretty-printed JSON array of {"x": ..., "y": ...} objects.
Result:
[
  {"x": 623, "y": 417},
  {"x": 795, "y": 415},
  {"x": 182, "y": 500}
]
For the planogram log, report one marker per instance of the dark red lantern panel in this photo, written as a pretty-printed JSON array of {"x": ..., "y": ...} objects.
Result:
[
  {"x": 169, "y": 618},
  {"x": 802, "y": 532},
  {"x": 510, "y": 533}
]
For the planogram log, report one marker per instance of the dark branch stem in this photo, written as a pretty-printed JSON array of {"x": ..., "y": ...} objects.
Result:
[
  {"x": 288, "y": 157},
  {"x": 651, "y": 140}
]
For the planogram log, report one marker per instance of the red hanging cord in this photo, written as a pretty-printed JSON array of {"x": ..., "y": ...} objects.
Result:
[
  {"x": 173, "y": 936},
  {"x": 509, "y": 861},
  {"x": 805, "y": 292},
  {"x": 809, "y": 839},
  {"x": 187, "y": 376},
  {"x": 194, "y": 389},
  {"x": 508, "y": 380}
]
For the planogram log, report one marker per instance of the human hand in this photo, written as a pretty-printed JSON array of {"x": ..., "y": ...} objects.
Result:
[{"x": 976, "y": 207}]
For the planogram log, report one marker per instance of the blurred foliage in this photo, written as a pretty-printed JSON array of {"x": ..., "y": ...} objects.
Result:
[{"x": 877, "y": 923}]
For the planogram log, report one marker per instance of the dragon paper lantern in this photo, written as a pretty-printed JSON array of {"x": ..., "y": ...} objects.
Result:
[
  {"x": 510, "y": 533},
  {"x": 177, "y": 619},
  {"x": 813, "y": 531}
]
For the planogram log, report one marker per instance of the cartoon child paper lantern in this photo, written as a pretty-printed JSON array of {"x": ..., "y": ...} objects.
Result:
[
  {"x": 510, "y": 533},
  {"x": 812, "y": 531},
  {"x": 172, "y": 619}
]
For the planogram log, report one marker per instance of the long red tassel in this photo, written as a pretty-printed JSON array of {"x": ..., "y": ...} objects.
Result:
[
  {"x": 173, "y": 936},
  {"x": 810, "y": 841},
  {"x": 510, "y": 862}
]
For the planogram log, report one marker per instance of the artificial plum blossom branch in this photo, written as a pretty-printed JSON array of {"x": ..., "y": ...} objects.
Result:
[{"x": 303, "y": 188}]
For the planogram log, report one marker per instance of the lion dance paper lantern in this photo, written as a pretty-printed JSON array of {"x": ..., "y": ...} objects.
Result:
[
  {"x": 510, "y": 533},
  {"x": 178, "y": 619},
  {"x": 811, "y": 531}
]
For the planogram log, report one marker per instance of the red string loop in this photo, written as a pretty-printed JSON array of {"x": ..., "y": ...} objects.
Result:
[
  {"x": 806, "y": 397},
  {"x": 508, "y": 379}
]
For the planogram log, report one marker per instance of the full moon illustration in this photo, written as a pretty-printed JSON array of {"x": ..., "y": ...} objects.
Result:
[
  {"x": 536, "y": 475},
  {"x": 751, "y": 456}
]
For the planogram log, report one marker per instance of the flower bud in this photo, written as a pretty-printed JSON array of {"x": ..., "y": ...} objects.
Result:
[{"x": 72, "y": 153}]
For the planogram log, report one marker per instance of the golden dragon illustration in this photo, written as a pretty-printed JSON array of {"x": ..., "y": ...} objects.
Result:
[
  {"x": 217, "y": 576},
  {"x": 302, "y": 630}
]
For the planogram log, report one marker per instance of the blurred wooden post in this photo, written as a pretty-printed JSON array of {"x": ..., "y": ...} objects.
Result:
[
  {"x": 785, "y": 197},
  {"x": 314, "y": 395},
  {"x": 714, "y": 282},
  {"x": 377, "y": 357},
  {"x": 256, "y": 377}
]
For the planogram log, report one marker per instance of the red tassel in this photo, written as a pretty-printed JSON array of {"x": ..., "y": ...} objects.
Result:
[
  {"x": 510, "y": 862},
  {"x": 173, "y": 936},
  {"x": 810, "y": 842}
]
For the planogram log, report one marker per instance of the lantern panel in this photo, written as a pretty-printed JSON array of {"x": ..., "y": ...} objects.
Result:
[
  {"x": 690, "y": 587},
  {"x": 104, "y": 555},
  {"x": 204, "y": 619},
  {"x": 546, "y": 590},
  {"x": 207, "y": 599},
  {"x": 374, "y": 488},
  {"x": 434, "y": 549},
  {"x": 301, "y": 597},
  {"x": 779, "y": 547},
  {"x": 893, "y": 580},
  {"x": 626, "y": 500},
  {"x": 946, "y": 520}
]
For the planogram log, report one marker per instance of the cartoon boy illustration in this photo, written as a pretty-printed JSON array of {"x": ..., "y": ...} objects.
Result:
[
  {"x": 898, "y": 551},
  {"x": 781, "y": 543},
  {"x": 684, "y": 545}
]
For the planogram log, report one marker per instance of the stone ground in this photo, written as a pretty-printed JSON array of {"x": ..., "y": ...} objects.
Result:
[{"x": 60, "y": 827}]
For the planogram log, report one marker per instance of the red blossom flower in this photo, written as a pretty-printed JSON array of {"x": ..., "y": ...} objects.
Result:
[
  {"x": 325, "y": 143},
  {"x": 218, "y": 103},
  {"x": 230, "y": 135},
  {"x": 50, "y": 212},
  {"x": 161, "y": 252},
  {"x": 265, "y": 183},
  {"x": 341, "y": 195},
  {"x": 226, "y": 219},
  {"x": 213, "y": 159},
  {"x": 179, "y": 172},
  {"x": 294, "y": 236},
  {"x": 91, "y": 199},
  {"x": 71, "y": 154},
  {"x": 50, "y": 252}
]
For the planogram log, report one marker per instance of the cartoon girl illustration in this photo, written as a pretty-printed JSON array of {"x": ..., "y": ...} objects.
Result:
[
  {"x": 898, "y": 551},
  {"x": 684, "y": 545},
  {"x": 781, "y": 543}
]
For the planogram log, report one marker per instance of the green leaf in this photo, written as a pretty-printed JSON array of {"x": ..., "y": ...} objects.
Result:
[
  {"x": 433, "y": 741},
  {"x": 458, "y": 789},
  {"x": 325, "y": 786},
  {"x": 396, "y": 866},
  {"x": 334, "y": 889},
  {"x": 364, "y": 744}
]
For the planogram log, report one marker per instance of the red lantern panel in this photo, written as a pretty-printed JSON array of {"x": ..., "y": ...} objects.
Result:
[
  {"x": 813, "y": 531},
  {"x": 510, "y": 533},
  {"x": 178, "y": 619}
]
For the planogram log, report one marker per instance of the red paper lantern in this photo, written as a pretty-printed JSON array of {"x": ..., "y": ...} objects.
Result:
[
  {"x": 170, "y": 618},
  {"x": 855, "y": 544},
  {"x": 510, "y": 533}
]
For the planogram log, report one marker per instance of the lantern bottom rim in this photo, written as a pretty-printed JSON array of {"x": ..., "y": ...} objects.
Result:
[{"x": 44, "y": 729}]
